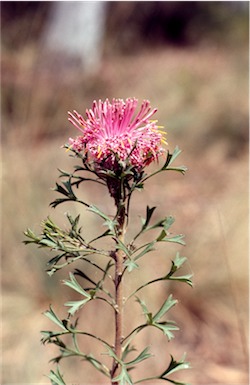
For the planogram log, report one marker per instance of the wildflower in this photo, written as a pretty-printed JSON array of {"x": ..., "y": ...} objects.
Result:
[{"x": 113, "y": 132}]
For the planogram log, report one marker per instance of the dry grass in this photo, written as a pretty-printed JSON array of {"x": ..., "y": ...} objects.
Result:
[{"x": 202, "y": 98}]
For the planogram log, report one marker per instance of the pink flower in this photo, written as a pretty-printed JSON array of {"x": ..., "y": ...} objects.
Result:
[{"x": 113, "y": 130}]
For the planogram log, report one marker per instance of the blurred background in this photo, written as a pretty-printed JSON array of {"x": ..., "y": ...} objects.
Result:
[{"x": 190, "y": 59}]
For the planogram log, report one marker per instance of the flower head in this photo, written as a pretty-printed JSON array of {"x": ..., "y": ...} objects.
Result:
[{"x": 113, "y": 130}]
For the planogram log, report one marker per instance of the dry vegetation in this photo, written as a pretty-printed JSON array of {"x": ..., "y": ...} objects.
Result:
[{"x": 202, "y": 99}]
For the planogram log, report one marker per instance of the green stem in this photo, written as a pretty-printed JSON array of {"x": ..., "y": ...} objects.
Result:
[
  {"x": 75, "y": 332},
  {"x": 144, "y": 285},
  {"x": 136, "y": 330}
]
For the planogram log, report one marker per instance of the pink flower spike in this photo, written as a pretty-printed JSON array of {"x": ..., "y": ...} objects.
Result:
[{"x": 114, "y": 130}]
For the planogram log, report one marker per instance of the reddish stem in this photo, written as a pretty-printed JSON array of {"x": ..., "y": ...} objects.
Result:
[{"x": 119, "y": 259}]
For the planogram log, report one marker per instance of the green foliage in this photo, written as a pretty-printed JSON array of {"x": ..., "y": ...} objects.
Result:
[
  {"x": 153, "y": 320},
  {"x": 56, "y": 377},
  {"x": 70, "y": 246},
  {"x": 173, "y": 367}
]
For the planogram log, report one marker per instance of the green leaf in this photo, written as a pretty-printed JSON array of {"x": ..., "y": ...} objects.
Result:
[
  {"x": 170, "y": 159},
  {"x": 85, "y": 276},
  {"x": 128, "y": 349},
  {"x": 30, "y": 234},
  {"x": 61, "y": 190},
  {"x": 73, "y": 284},
  {"x": 175, "y": 154},
  {"x": 167, "y": 305},
  {"x": 166, "y": 327},
  {"x": 166, "y": 223},
  {"x": 73, "y": 221},
  {"x": 112, "y": 354},
  {"x": 184, "y": 278},
  {"x": 147, "y": 248},
  {"x": 53, "y": 317},
  {"x": 174, "y": 366},
  {"x": 123, "y": 378},
  {"x": 47, "y": 242},
  {"x": 105, "y": 234},
  {"x": 56, "y": 377},
  {"x": 141, "y": 357},
  {"x": 179, "y": 261},
  {"x": 164, "y": 237},
  {"x": 143, "y": 306},
  {"x": 176, "y": 265},
  {"x": 108, "y": 222},
  {"x": 149, "y": 214},
  {"x": 121, "y": 246},
  {"x": 131, "y": 265},
  {"x": 97, "y": 364},
  {"x": 161, "y": 236},
  {"x": 75, "y": 305}
]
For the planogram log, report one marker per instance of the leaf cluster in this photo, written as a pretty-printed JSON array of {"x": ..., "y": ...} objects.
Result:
[
  {"x": 121, "y": 181},
  {"x": 69, "y": 246}
]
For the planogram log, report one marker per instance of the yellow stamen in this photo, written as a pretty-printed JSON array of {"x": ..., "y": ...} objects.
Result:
[
  {"x": 99, "y": 152},
  {"x": 164, "y": 141},
  {"x": 162, "y": 132}
]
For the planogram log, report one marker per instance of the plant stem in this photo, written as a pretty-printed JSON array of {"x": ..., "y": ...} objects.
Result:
[{"x": 118, "y": 281}]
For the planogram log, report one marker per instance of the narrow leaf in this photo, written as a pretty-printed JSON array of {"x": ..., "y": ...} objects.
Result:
[
  {"x": 166, "y": 328},
  {"x": 175, "y": 239},
  {"x": 120, "y": 245},
  {"x": 184, "y": 278},
  {"x": 175, "y": 154},
  {"x": 75, "y": 305},
  {"x": 141, "y": 357},
  {"x": 128, "y": 349},
  {"x": 148, "y": 217},
  {"x": 179, "y": 261},
  {"x": 131, "y": 265},
  {"x": 148, "y": 247},
  {"x": 56, "y": 378},
  {"x": 166, "y": 223},
  {"x": 174, "y": 366},
  {"x": 53, "y": 317},
  {"x": 73, "y": 284},
  {"x": 123, "y": 378},
  {"x": 83, "y": 275},
  {"x": 167, "y": 305},
  {"x": 108, "y": 222},
  {"x": 143, "y": 306}
]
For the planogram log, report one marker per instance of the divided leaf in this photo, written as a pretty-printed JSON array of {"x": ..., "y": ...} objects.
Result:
[
  {"x": 167, "y": 305},
  {"x": 110, "y": 223},
  {"x": 56, "y": 377},
  {"x": 170, "y": 159},
  {"x": 176, "y": 265},
  {"x": 165, "y": 326},
  {"x": 53, "y": 317},
  {"x": 174, "y": 366},
  {"x": 76, "y": 305},
  {"x": 141, "y": 357},
  {"x": 73, "y": 284}
]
